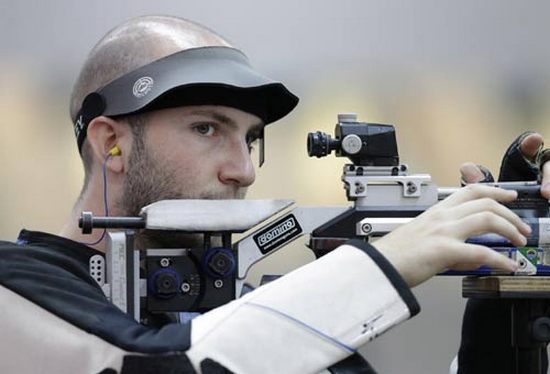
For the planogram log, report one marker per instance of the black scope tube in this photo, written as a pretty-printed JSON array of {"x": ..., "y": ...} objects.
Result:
[{"x": 87, "y": 222}]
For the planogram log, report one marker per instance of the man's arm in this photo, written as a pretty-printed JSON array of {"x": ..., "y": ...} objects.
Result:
[
  {"x": 303, "y": 322},
  {"x": 322, "y": 312}
]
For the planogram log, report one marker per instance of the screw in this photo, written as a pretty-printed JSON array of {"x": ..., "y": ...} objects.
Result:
[
  {"x": 165, "y": 262},
  {"x": 359, "y": 187},
  {"x": 522, "y": 264},
  {"x": 185, "y": 287},
  {"x": 366, "y": 227},
  {"x": 411, "y": 188},
  {"x": 218, "y": 283},
  {"x": 221, "y": 264}
]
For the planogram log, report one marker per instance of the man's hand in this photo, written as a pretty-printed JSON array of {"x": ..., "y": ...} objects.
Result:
[
  {"x": 434, "y": 241},
  {"x": 530, "y": 144}
]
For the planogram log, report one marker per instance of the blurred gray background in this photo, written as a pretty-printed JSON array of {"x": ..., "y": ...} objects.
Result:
[{"x": 459, "y": 79}]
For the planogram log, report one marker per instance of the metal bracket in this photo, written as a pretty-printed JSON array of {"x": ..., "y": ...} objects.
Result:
[
  {"x": 379, "y": 226},
  {"x": 123, "y": 273}
]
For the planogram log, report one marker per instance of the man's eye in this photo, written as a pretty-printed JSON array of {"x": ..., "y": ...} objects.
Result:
[{"x": 206, "y": 129}]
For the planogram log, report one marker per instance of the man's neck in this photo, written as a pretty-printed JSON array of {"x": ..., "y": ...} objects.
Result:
[{"x": 90, "y": 200}]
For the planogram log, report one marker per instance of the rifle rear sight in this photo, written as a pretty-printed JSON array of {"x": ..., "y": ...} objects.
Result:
[{"x": 365, "y": 144}]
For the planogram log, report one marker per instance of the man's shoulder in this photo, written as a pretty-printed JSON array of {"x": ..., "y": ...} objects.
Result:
[
  {"x": 6, "y": 243},
  {"x": 42, "y": 260},
  {"x": 52, "y": 307},
  {"x": 52, "y": 273},
  {"x": 46, "y": 273}
]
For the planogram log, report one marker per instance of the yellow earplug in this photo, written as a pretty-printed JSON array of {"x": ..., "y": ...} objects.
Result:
[{"x": 115, "y": 151}]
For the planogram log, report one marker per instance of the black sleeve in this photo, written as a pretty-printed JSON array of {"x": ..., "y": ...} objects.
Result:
[{"x": 59, "y": 283}]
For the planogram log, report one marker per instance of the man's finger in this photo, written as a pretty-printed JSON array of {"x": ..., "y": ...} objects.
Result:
[
  {"x": 472, "y": 256},
  {"x": 489, "y": 205},
  {"x": 531, "y": 145},
  {"x": 488, "y": 222},
  {"x": 471, "y": 173}
]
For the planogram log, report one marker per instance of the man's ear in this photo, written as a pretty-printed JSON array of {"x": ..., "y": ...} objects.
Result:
[{"x": 103, "y": 135}]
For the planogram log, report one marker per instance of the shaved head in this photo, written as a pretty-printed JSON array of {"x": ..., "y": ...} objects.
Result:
[{"x": 136, "y": 43}]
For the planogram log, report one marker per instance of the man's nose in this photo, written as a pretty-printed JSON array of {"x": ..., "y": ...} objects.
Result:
[{"x": 237, "y": 167}]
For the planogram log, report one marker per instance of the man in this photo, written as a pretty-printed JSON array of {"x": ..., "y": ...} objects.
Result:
[{"x": 167, "y": 109}]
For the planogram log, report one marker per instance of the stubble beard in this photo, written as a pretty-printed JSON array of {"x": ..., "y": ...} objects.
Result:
[{"x": 148, "y": 181}]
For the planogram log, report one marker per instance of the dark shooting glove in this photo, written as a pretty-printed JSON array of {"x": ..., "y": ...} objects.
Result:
[{"x": 516, "y": 167}]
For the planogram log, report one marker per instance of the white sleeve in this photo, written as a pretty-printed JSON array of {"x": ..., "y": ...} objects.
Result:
[
  {"x": 309, "y": 319},
  {"x": 36, "y": 341}
]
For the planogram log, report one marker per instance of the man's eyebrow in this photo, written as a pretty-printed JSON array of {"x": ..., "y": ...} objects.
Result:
[
  {"x": 219, "y": 117},
  {"x": 222, "y": 118}
]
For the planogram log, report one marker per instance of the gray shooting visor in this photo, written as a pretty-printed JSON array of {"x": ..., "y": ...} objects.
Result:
[{"x": 197, "y": 76}]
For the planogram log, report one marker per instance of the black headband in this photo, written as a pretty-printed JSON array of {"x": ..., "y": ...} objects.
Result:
[{"x": 198, "y": 76}]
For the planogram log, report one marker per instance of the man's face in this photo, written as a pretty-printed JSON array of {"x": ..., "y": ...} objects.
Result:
[{"x": 200, "y": 152}]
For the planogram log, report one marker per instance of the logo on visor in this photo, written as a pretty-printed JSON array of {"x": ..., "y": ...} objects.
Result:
[
  {"x": 142, "y": 86},
  {"x": 78, "y": 126}
]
